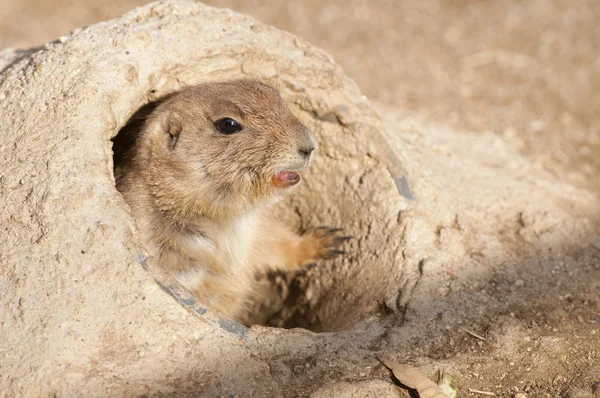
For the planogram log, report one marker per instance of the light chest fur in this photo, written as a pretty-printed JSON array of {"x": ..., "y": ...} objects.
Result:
[{"x": 227, "y": 246}]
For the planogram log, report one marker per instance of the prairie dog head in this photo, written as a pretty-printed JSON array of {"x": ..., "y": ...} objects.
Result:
[{"x": 219, "y": 149}]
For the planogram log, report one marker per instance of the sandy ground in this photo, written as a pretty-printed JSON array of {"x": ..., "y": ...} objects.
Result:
[{"x": 527, "y": 72}]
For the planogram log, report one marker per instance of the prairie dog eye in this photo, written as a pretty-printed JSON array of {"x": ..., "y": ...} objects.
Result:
[{"x": 228, "y": 126}]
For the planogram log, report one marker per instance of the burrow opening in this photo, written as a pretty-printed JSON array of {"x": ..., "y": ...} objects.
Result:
[{"x": 287, "y": 299}]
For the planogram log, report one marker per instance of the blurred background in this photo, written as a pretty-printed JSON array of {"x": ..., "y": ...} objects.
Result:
[{"x": 528, "y": 71}]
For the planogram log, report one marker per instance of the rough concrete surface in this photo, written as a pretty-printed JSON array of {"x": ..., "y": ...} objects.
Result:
[{"x": 494, "y": 243}]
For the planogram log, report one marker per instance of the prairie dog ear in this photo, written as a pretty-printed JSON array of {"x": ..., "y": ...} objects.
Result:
[
  {"x": 174, "y": 125},
  {"x": 168, "y": 125}
]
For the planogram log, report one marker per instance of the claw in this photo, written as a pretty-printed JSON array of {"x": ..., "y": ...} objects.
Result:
[
  {"x": 325, "y": 241},
  {"x": 342, "y": 239},
  {"x": 327, "y": 231},
  {"x": 335, "y": 253}
]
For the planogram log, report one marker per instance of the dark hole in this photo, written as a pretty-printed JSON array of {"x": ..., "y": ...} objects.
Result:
[{"x": 124, "y": 141}]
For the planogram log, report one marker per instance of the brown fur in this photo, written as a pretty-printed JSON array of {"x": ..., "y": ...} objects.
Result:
[{"x": 202, "y": 199}]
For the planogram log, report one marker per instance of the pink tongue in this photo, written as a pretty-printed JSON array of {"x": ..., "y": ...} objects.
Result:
[{"x": 286, "y": 179}]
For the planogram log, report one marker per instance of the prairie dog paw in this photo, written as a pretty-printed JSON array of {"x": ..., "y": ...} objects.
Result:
[{"x": 323, "y": 243}]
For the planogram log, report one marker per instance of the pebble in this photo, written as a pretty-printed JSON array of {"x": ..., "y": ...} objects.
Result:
[{"x": 519, "y": 283}]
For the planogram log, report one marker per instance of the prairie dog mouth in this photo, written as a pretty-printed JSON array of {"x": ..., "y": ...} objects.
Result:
[{"x": 286, "y": 178}]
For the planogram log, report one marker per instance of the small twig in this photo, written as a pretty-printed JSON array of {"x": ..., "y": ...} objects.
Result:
[
  {"x": 474, "y": 334},
  {"x": 491, "y": 394}
]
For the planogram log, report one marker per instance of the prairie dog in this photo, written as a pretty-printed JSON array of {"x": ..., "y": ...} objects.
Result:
[{"x": 206, "y": 167}]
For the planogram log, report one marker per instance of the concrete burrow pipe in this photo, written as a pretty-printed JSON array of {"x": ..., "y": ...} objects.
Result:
[{"x": 83, "y": 309}]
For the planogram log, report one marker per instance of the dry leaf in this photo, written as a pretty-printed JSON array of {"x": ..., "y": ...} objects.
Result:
[
  {"x": 412, "y": 378},
  {"x": 445, "y": 384}
]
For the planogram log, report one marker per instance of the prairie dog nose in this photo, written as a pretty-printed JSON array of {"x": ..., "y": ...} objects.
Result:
[
  {"x": 306, "y": 143},
  {"x": 306, "y": 151}
]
